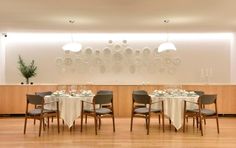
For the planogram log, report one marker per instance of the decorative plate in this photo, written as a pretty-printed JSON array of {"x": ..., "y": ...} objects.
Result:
[
  {"x": 88, "y": 51},
  {"x": 117, "y": 56},
  {"x": 128, "y": 51},
  {"x": 68, "y": 61},
  {"x": 106, "y": 51},
  {"x": 146, "y": 51}
]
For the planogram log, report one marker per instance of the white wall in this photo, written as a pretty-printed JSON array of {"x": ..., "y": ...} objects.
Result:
[
  {"x": 2, "y": 60},
  {"x": 199, "y": 59},
  {"x": 233, "y": 59}
]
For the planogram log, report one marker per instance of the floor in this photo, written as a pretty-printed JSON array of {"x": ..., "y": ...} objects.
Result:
[{"x": 11, "y": 135}]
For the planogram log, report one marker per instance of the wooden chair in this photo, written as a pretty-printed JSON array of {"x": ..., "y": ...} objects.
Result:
[
  {"x": 191, "y": 112},
  {"x": 43, "y": 94},
  {"x": 146, "y": 110},
  {"x": 98, "y": 111},
  {"x": 202, "y": 112},
  {"x": 39, "y": 113}
]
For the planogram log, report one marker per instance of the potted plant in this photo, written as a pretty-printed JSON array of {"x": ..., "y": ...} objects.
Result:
[{"x": 27, "y": 71}]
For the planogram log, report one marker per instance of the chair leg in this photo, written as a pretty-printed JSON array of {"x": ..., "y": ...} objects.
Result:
[
  {"x": 163, "y": 122},
  {"x": 184, "y": 123},
  {"x": 81, "y": 122},
  {"x": 95, "y": 122},
  {"x": 113, "y": 121},
  {"x": 25, "y": 125},
  {"x": 131, "y": 123},
  {"x": 148, "y": 124},
  {"x": 58, "y": 123},
  {"x": 170, "y": 123},
  {"x": 40, "y": 126},
  {"x": 159, "y": 119},
  {"x": 204, "y": 121},
  {"x": 201, "y": 125},
  {"x": 217, "y": 123},
  {"x": 86, "y": 117},
  {"x": 44, "y": 125},
  {"x": 48, "y": 122}
]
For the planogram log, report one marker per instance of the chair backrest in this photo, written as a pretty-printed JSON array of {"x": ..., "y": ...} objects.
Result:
[
  {"x": 43, "y": 94},
  {"x": 35, "y": 99},
  {"x": 207, "y": 99},
  {"x": 141, "y": 98},
  {"x": 103, "y": 98},
  {"x": 140, "y": 92},
  {"x": 104, "y": 92},
  {"x": 200, "y": 93}
]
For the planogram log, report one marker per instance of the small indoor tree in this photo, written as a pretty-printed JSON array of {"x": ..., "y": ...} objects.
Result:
[{"x": 27, "y": 71}]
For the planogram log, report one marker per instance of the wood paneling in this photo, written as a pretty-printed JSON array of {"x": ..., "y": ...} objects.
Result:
[{"x": 12, "y": 97}]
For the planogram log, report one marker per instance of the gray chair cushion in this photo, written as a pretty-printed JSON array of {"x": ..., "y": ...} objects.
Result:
[
  {"x": 99, "y": 110},
  {"x": 206, "y": 112},
  {"x": 37, "y": 111},
  {"x": 144, "y": 110}
]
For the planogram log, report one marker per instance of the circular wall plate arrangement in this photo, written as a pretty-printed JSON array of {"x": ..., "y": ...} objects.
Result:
[{"x": 68, "y": 61}]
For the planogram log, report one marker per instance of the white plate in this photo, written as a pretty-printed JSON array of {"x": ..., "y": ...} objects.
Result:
[
  {"x": 128, "y": 51},
  {"x": 97, "y": 52},
  {"x": 106, "y": 51},
  {"x": 68, "y": 61},
  {"x": 117, "y": 47},
  {"x": 176, "y": 61},
  {"x": 88, "y": 51},
  {"x": 59, "y": 61},
  {"x": 146, "y": 51},
  {"x": 117, "y": 56}
]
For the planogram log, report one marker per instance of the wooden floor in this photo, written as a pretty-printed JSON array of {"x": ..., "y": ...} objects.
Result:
[{"x": 11, "y": 135}]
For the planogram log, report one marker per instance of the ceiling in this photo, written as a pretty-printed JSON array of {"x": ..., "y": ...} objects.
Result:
[{"x": 118, "y": 16}]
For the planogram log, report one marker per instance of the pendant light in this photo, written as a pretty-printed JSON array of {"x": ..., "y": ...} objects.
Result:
[
  {"x": 167, "y": 45},
  {"x": 72, "y": 46}
]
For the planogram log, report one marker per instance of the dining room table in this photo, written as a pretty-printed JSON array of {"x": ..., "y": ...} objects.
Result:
[
  {"x": 69, "y": 105},
  {"x": 174, "y": 104}
]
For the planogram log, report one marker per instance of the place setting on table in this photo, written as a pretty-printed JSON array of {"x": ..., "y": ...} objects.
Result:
[
  {"x": 174, "y": 103},
  {"x": 69, "y": 103}
]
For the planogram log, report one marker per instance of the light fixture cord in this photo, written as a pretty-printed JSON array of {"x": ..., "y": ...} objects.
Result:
[
  {"x": 167, "y": 29},
  {"x": 71, "y": 34}
]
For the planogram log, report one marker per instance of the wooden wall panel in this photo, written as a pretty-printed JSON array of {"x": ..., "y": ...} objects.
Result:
[{"x": 12, "y": 97}]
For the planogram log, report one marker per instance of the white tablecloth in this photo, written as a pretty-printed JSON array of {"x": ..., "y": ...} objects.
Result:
[
  {"x": 69, "y": 106},
  {"x": 174, "y": 107}
]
